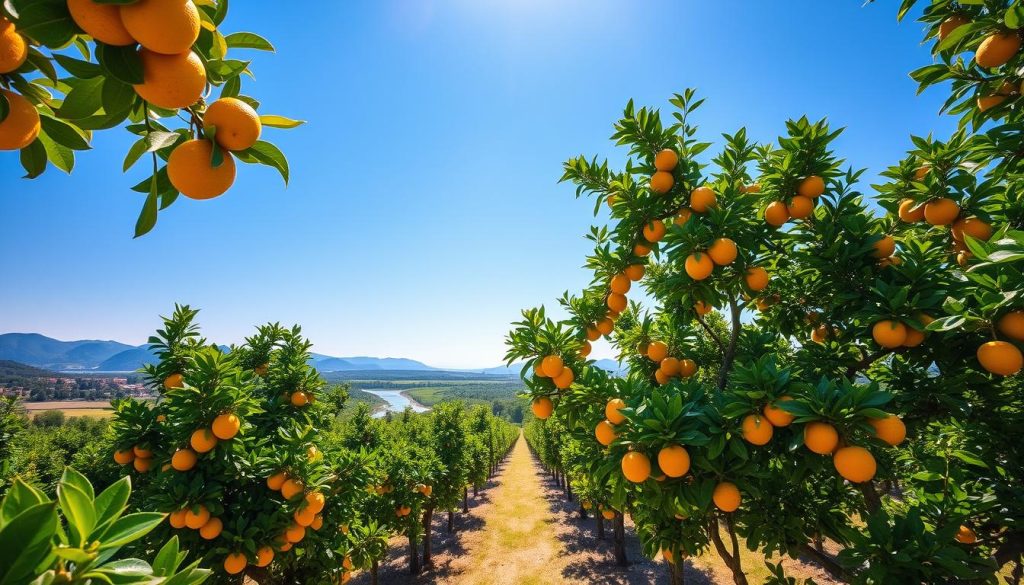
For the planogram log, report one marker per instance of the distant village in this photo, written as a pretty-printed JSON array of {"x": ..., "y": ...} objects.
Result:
[{"x": 74, "y": 387}]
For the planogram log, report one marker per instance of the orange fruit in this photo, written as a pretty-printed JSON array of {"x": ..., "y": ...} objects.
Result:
[
  {"x": 634, "y": 272},
  {"x": 183, "y": 459},
  {"x": 1012, "y": 325},
  {"x": 702, "y": 199},
  {"x": 702, "y": 308},
  {"x": 605, "y": 326},
  {"x": 965, "y": 535},
  {"x": 100, "y": 21},
  {"x": 142, "y": 452},
  {"x": 654, "y": 230},
  {"x": 997, "y": 49},
  {"x": 620, "y": 284},
  {"x": 821, "y": 437},
  {"x": 726, "y": 496},
  {"x": 987, "y": 102},
  {"x": 674, "y": 460},
  {"x": 346, "y": 563},
  {"x": 617, "y": 302},
  {"x": 699, "y": 265},
  {"x": 316, "y": 501},
  {"x": 820, "y": 333},
  {"x": 608, "y": 514},
  {"x": 951, "y": 24},
  {"x": 666, "y": 160},
  {"x": 177, "y": 518},
  {"x": 723, "y": 251},
  {"x": 910, "y": 211},
  {"x": 593, "y": 334},
  {"x": 605, "y": 433},
  {"x": 277, "y": 480},
  {"x": 684, "y": 216},
  {"x": 657, "y": 351},
  {"x": 941, "y": 211},
  {"x": 669, "y": 367},
  {"x": 192, "y": 173},
  {"x": 196, "y": 517},
  {"x": 304, "y": 516},
  {"x": 212, "y": 529},
  {"x": 295, "y": 533},
  {"x": 971, "y": 226},
  {"x": 285, "y": 547},
  {"x": 171, "y": 81},
  {"x": 636, "y": 467},
  {"x": 777, "y": 416},
  {"x": 611, "y": 200},
  {"x": 299, "y": 399},
  {"x": 1000, "y": 357},
  {"x": 889, "y": 429},
  {"x": 238, "y": 125},
  {"x": 776, "y": 214},
  {"x": 812, "y": 187},
  {"x": 318, "y": 522},
  {"x": 21, "y": 126},
  {"x": 855, "y": 464},
  {"x": 143, "y": 464},
  {"x": 757, "y": 430},
  {"x": 292, "y": 488},
  {"x": 203, "y": 441},
  {"x": 800, "y": 207},
  {"x": 164, "y": 26},
  {"x": 687, "y": 368},
  {"x": 611, "y": 411},
  {"x": 642, "y": 248},
  {"x": 234, "y": 563},
  {"x": 889, "y": 333},
  {"x": 661, "y": 182},
  {"x": 173, "y": 381},
  {"x": 226, "y": 426},
  {"x": 585, "y": 349},
  {"x": 261, "y": 370},
  {"x": 13, "y": 48},
  {"x": 542, "y": 407},
  {"x": 264, "y": 556},
  {"x": 884, "y": 247},
  {"x": 751, "y": 189},
  {"x": 661, "y": 378},
  {"x": 565, "y": 379},
  {"x": 914, "y": 337},
  {"x": 552, "y": 366},
  {"x": 756, "y": 278},
  {"x": 124, "y": 456}
]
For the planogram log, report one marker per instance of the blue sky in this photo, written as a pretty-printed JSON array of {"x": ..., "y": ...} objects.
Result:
[{"x": 424, "y": 210}]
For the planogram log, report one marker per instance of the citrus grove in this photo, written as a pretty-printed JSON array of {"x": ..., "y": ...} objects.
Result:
[
  {"x": 69, "y": 68},
  {"x": 823, "y": 373}
]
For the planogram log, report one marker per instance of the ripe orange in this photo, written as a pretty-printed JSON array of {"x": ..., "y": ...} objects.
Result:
[
  {"x": 702, "y": 199},
  {"x": 855, "y": 464},
  {"x": 605, "y": 326},
  {"x": 965, "y": 535},
  {"x": 997, "y": 49},
  {"x": 196, "y": 516},
  {"x": 203, "y": 440},
  {"x": 726, "y": 496},
  {"x": 192, "y": 173},
  {"x": 171, "y": 81},
  {"x": 238, "y": 125},
  {"x": 1000, "y": 357},
  {"x": 674, "y": 460},
  {"x": 889, "y": 333},
  {"x": 654, "y": 230},
  {"x": 285, "y": 547},
  {"x": 620, "y": 284},
  {"x": 684, "y": 216},
  {"x": 212, "y": 529},
  {"x": 304, "y": 516},
  {"x": 699, "y": 265},
  {"x": 611, "y": 200},
  {"x": 756, "y": 278},
  {"x": 226, "y": 426},
  {"x": 669, "y": 367},
  {"x": 661, "y": 182},
  {"x": 617, "y": 302},
  {"x": 914, "y": 337},
  {"x": 261, "y": 370},
  {"x": 173, "y": 381},
  {"x": 657, "y": 351},
  {"x": 687, "y": 368},
  {"x": 142, "y": 452},
  {"x": 143, "y": 464},
  {"x": 636, "y": 467},
  {"x": 611, "y": 411},
  {"x": 100, "y": 21},
  {"x": 666, "y": 160},
  {"x": 889, "y": 429},
  {"x": 910, "y": 211},
  {"x": 1012, "y": 325},
  {"x": 183, "y": 459},
  {"x": 316, "y": 501},
  {"x": 605, "y": 433},
  {"x": 800, "y": 207},
  {"x": 608, "y": 514},
  {"x": 987, "y": 102},
  {"x": 264, "y": 556},
  {"x": 757, "y": 430},
  {"x": 565, "y": 379},
  {"x": 723, "y": 251},
  {"x": 277, "y": 480},
  {"x": 299, "y": 398},
  {"x": 585, "y": 349},
  {"x": 642, "y": 249},
  {"x": 751, "y": 189},
  {"x": 552, "y": 366},
  {"x": 661, "y": 378},
  {"x": 812, "y": 187},
  {"x": 542, "y": 407},
  {"x": 177, "y": 518},
  {"x": 776, "y": 214},
  {"x": 124, "y": 457},
  {"x": 642, "y": 347},
  {"x": 13, "y": 48},
  {"x": 292, "y": 488},
  {"x": 884, "y": 247},
  {"x": 950, "y": 24},
  {"x": 941, "y": 211},
  {"x": 21, "y": 126},
  {"x": 634, "y": 272},
  {"x": 234, "y": 563},
  {"x": 318, "y": 522},
  {"x": 592, "y": 335},
  {"x": 971, "y": 226},
  {"x": 702, "y": 308},
  {"x": 164, "y": 26},
  {"x": 777, "y": 416},
  {"x": 821, "y": 437},
  {"x": 295, "y": 533}
]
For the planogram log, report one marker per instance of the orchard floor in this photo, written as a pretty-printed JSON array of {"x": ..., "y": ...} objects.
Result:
[{"x": 521, "y": 530}]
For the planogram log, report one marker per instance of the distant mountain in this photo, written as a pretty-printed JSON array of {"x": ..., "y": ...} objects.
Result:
[
  {"x": 45, "y": 352},
  {"x": 514, "y": 370},
  {"x": 9, "y": 369},
  {"x": 326, "y": 363},
  {"x": 128, "y": 360}
]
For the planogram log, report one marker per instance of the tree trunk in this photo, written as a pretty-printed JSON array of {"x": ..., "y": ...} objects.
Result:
[
  {"x": 451, "y": 521},
  {"x": 731, "y": 560},
  {"x": 465, "y": 499},
  {"x": 414, "y": 555},
  {"x": 619, "y": 527},
  {"x": 600, "y": 526},
  {"x": 583, "y": 513},
  {"x": 568, "y": 490},
  {"x": 675, "y": 571},
  {"x": 373, "y": 572},
  {"x": 476, "y": 490},
  {"x": 428, "y": 516}
]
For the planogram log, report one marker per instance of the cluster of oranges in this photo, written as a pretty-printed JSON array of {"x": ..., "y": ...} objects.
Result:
[
  {"x": 552, "y": 367},
  {"x": 721, "y": 252},
  {"x": 996, "y": 50},
  {"x": 306, "y": 515},
  {"x": 892, "y": 333},
  {"x": 139, "y": 456},
  {"x": 800, "y": 206},
  {"x": 22, "y": 124},
  {"x": 668, "y": 367},
  {"x": 1003, "y": 357}
]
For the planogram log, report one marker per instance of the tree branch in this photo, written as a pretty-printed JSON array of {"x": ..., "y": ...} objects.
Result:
[
  {"x": 730, "y": 352},
  {"x": 868, "y": 360},
  {"x": 826, "y": 562},
  {"x": 871, "y": 497},
  {"x": 716, "y": 537},
  {"x": 712, "y": 334}
]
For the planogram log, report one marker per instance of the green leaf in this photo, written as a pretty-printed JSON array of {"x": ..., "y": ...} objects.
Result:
[
  {"x": 220, "y": 70},
  {"x": 147, "y": 217},
  {"x": 280, "y": 121},
  {"x": 248, "y": 40},
  {"x": 33, "y": 159},
  {"x": 232, "y": 87},
  {"x": 77, "y": 508},
  {"x": 84, "y": 99},
  {"x": 77, "y": 67},
  {"x": 20, "y": 497},
  {"x": 5, "y": 107},
  {"x": 47, "y": 22},
  {"x": 166, "y": 561},
  {"x": 129, "y": 529},
  {"x": 25, "y": 541},
  {"x": 64, "y": 133},
  {"x": 122, "y": 63},
  {"x": 266, "y": 153},
  {"x": 61, "y": 156},
  {"x": 42, "y": 63},
  {"x": 110, "y": 504}
]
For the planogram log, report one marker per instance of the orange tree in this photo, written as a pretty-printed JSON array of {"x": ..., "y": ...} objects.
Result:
[
  {"x": 69, "y": 68},
  {"x": 841, "y": 331},
  {"x": 231, "y": 452}
]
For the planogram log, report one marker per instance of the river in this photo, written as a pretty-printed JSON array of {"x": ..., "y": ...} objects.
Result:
[{"x": 396, "y": 402}]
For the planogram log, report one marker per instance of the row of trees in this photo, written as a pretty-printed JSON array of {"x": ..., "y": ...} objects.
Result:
[{"x": 835, "y": 333}]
